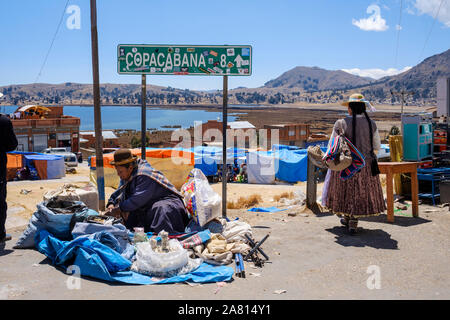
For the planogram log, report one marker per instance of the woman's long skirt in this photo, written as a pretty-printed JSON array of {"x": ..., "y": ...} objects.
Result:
[{"x": 359, "y": 196}]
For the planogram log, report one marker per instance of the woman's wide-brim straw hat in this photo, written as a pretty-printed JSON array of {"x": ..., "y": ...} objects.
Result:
[
  {"x": 358, "y": 97},
  {"x": 123, "y": 156}
]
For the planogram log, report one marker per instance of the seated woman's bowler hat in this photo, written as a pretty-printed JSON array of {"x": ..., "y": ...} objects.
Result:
[{"x": 123, "y": 156}]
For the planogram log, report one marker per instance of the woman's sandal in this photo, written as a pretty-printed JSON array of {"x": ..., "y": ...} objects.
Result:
[{"x": 352, "y": 226}]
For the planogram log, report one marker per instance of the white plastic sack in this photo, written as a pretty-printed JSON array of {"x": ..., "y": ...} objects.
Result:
[
  {"x": 201, "y": 200},
  {"x": 299, "y": 198},
  {"x": 220, "y": 251},
  {"x": 235, "y": 231},
  {"x": 152, "y": 263},
  {"x": 69, "y": 192}
]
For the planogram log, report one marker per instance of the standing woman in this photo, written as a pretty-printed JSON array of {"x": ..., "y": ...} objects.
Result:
[
  {"x": 361, "y": 195},
  {"x": 8, "y": 142}
]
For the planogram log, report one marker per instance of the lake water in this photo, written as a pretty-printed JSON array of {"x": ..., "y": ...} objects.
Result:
[{"x": 130, "y": 117}]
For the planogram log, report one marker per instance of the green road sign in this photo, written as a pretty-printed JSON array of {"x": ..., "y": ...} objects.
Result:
[{"x": 184, "y": 60}]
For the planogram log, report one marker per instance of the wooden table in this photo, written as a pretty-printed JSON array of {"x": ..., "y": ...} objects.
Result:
[{"x": 391, "y": 168}]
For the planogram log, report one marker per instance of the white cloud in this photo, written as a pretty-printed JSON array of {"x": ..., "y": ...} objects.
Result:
[
  {"x": 374, "y": 22},
  {"x": 375, "y": 73},
  {"x": 430, "y": 7},
  {"x": 410, "y": 10}
]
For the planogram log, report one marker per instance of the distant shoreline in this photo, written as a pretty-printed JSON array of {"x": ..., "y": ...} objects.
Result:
[
  {"x": 247, "y": 107},
  {"x": 182, "y": 106},
  {"x": 172, "y": 106}
]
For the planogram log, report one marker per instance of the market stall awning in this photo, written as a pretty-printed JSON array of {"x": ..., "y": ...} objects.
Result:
[{"x": 34, "y": 109}]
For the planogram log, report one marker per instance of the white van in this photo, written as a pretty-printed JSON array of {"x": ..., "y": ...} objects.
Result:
[{"x": 70, "y": 159}]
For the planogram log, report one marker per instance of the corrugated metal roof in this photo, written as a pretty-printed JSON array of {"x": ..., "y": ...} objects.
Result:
[
  {"x": 105, "y": 134},
  {"x": 241, "y": 125}
]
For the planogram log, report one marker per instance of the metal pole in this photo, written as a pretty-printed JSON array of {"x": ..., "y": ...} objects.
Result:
[
  {"x": 143, "y": 116},
  {"x": 402, "y": 95},
  {"x": 403, "y": 101},
  {"x": 224, "y": 146},
  {"x": 311, "y": 185},
  {"x": 97, "y": 110}
]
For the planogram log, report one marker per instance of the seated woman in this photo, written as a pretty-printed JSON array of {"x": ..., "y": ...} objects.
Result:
[{"x": 145, "y": 198}]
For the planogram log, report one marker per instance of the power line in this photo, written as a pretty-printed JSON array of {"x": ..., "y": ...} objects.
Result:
[
  {"x": 399, "y": 27},
  {"x": 53, "y": 40},
  {"x": 429, "y": 33}
]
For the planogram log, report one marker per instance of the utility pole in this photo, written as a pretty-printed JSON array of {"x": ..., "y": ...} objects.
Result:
[
  {"x": 224, "y": 145},
  {"x": 97, "y": 110},
  {"x": 402, "y": 93}
]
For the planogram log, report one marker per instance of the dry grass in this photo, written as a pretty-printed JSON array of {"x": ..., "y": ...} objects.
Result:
[
  {"x": 242, "y": 202},
  {"x": 287, "y": 195}
]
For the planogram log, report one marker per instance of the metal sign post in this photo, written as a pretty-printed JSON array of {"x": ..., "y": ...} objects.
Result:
[
  {"x": 228, "y": 60},
  {"x": 143, "y": 116},
  {"x": 224, "y": 145}
]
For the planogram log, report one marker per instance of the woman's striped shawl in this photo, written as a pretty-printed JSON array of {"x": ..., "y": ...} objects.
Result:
[
  {"x": 357, "y": 158},
  {"x": 144, "y": 168}
]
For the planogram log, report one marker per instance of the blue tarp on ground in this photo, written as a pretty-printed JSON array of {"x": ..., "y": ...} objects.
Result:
[
  {"x": 99, "y": 261},
  {"x": 267, "y": 209}
]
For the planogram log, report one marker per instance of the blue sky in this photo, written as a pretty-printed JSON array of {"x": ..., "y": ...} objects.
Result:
[{"x": 356, "y": 35}]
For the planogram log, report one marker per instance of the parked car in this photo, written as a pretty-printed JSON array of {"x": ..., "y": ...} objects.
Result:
[
  {"x": 70, "y": 158},
  {"x": 109, "y": 150},
  {"x": 55, "y": 150}
]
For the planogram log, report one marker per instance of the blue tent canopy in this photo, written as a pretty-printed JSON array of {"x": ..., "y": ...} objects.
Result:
[
  {"x": 289, "y": 165},
  {"x": 30, "y": 157},
  {"x": 277, "y": 147},
  {"x": 207, "y": 158},
  {"x": 292, "y": 165},
  {"x": 53, "y": 167}
]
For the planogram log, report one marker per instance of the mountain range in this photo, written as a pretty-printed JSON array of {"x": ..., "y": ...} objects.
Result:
[
  {"x": 317, "y": 79},
  {"x": 298, "y": 85}
]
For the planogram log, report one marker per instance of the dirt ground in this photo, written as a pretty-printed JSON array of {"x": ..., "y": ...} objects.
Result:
[{"x": 320, "y": 117}]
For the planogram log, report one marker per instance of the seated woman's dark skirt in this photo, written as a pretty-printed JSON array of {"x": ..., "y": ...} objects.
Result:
[{"x": 168, "y": 214}]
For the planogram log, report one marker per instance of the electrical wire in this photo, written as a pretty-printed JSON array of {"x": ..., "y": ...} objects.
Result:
[
  {"x": 53, "y": 40},
  {"x": 429, "y": 33},
  {"x": 399, "y": 27}
]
